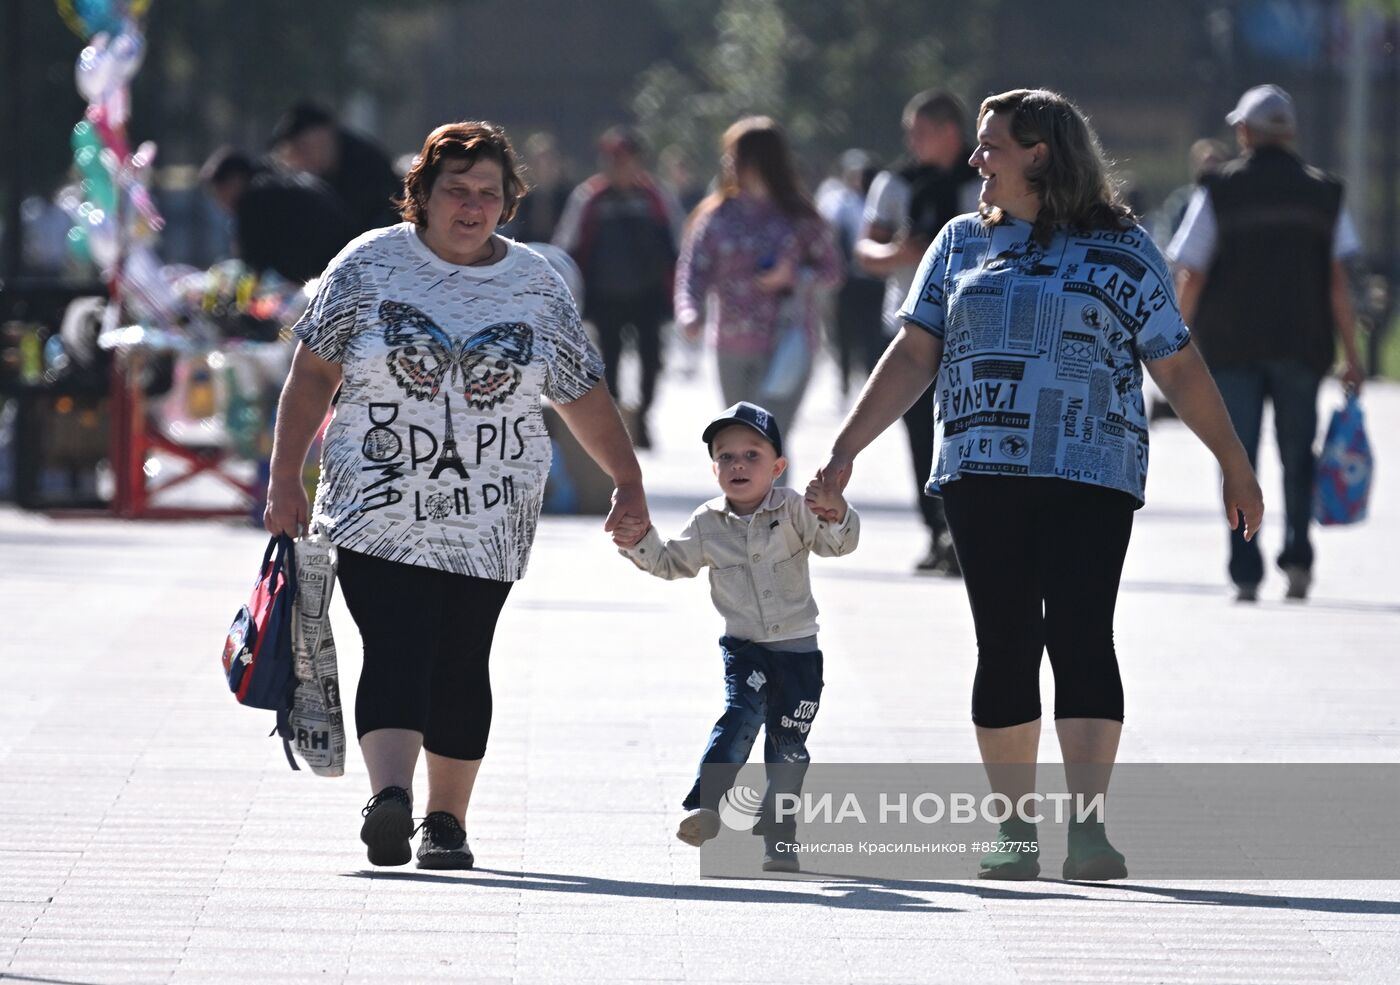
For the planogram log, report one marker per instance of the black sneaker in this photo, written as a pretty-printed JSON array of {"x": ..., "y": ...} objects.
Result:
[
  {"x": 444, "y": 844},
  {"x": 388, "y": 826}
]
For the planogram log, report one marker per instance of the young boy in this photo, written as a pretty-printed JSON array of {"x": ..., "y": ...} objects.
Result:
[{"x": 755, "y": 540}]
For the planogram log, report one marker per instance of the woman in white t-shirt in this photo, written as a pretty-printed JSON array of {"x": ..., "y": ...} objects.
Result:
[{"x": 441, "y": 337}]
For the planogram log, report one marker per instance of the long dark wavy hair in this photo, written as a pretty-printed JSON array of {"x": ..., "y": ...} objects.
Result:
[
  {"x": 756, "y": 143},
  {"x": 1074, "y": 182}
]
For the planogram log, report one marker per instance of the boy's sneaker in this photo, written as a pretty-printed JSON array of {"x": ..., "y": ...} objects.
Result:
[
  {"x": 698, "y": 827},
  {"x": 388, "y": 826},
  {"x": 1017, "y": 852},
  {"x": 1299, "y": 581},
  {"x": 444, "y": 844},
  {"x": 778, "y": 855},
  {"x": 1091, "y": 858}
]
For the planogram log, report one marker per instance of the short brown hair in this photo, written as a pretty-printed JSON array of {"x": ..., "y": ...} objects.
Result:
[
  {"x": 936, "y": 106},
  {"x": 469, "y": 141}
]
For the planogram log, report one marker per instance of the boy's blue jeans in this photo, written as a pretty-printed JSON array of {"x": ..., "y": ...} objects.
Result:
[{"x": 769, "y": 689}]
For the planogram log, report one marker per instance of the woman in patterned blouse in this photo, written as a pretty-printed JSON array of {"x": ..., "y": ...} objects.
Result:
[
  {"x": 754, "y": 255},
  {"x": 1035, "y": 320}
]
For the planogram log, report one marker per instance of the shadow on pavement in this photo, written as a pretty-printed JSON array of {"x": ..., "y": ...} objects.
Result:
[
  {"x": 858, "y": 896},
  {"x": 843, "y": 892},
  {"x": 1223, "y": 897}
]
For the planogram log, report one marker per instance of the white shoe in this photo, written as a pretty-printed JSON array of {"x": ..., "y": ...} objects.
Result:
[{"x": 698, "y": 827}]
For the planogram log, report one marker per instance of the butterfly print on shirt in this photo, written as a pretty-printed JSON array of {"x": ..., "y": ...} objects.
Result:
[{"x": 485, "y": 368}]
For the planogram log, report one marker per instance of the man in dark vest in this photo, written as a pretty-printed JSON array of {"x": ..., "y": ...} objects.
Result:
[
  {"x": 1261, "y": 284},
  {"x": 904, "y": 211}
]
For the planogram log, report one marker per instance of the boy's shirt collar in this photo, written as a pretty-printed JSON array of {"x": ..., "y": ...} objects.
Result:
[{"x": 720, "y": 504}]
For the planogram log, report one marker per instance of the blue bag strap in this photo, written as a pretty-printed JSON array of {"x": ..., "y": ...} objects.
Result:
[
  {"x": 272, "y": 545},
  {"x": 284, "y": 561}
]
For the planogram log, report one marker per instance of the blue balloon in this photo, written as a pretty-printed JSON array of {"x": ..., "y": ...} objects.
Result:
[{"x": 98, "y": 15}]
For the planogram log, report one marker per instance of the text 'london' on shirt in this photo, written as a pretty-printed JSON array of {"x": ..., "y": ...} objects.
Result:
[{"x": 437, "y": 453}]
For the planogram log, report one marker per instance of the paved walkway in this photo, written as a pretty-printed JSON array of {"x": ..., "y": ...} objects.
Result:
[{"x": 149, "y": 832}]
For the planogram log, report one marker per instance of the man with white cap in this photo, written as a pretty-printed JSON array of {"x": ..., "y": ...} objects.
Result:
[{"x": 1261, "y": 284}]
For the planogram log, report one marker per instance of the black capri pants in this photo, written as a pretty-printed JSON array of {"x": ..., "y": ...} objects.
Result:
[
  {"x": 427, "y": 641},
  {"x": 1041, "y": 559}
]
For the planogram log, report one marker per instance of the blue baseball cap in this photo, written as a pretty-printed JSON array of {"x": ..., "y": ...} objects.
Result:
[{"x": 752, "y": 415}]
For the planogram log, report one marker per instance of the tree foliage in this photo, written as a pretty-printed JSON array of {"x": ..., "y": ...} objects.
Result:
[
  {"x": 835, "y": 72},
  {"x": 223, "y": 71}
]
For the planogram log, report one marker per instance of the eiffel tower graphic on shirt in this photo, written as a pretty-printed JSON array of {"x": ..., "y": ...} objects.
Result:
[{"x": 448, "y": 459}]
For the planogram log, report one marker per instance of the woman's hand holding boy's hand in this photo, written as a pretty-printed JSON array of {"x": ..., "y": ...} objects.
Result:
[
  {"x": 825, "y": 502},
  {"x": 629, "y": 532},
  {"x": 629, "y": 518}
]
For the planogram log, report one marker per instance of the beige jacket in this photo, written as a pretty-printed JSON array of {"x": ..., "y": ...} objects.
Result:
[{"x": 758, "y": 569}]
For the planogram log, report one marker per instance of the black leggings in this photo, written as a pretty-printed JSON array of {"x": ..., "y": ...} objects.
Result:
[
  {"x": 1041, "y": 559},
  {"x": 427, "y": 640}
]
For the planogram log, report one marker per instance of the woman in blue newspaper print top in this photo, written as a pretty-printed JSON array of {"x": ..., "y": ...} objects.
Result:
[{"x": 1035, "y": 317}]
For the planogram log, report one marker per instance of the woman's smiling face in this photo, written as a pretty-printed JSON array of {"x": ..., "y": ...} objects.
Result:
[{"x": 1003, "y": 165}]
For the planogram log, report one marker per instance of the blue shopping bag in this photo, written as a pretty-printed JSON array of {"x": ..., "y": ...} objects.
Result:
[{"x": 1343, "y": 486}]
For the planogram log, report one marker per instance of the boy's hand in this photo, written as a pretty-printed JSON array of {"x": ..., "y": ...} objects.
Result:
[
  {"x": 630, "y": 531},
  {"x": 825, "y": 502}
]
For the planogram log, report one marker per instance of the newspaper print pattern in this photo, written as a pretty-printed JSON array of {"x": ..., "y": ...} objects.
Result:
[
  {"x": 1043, "y": 349},
  {"x": 318, "y": 723},
  {"x": 437, "y": 454}
]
